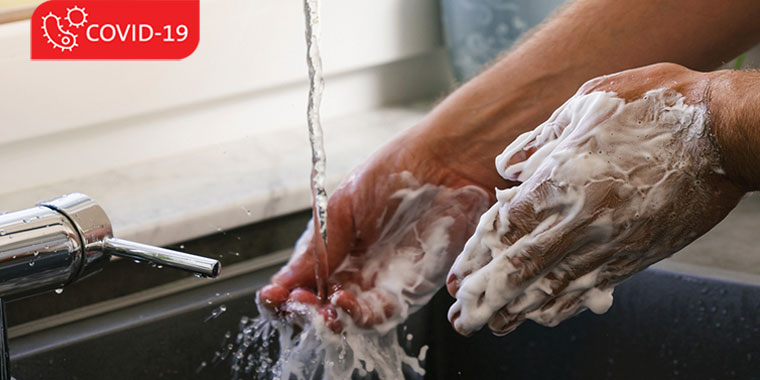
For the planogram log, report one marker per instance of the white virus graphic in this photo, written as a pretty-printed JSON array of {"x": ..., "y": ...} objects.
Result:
[
  {"x": 79, "y": 13},
  {"x": 55, "y": 33}
]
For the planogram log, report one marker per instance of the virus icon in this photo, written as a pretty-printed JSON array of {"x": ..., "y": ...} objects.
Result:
[
  {"x": 56, "y": 35},
  {"x": 76, "y": 17}
]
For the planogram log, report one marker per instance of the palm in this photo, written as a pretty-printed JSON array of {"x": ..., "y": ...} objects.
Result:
[{"x": 394, "y": 229}]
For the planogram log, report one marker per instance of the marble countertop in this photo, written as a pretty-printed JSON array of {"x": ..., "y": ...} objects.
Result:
[{"x": 171, "y": 199}]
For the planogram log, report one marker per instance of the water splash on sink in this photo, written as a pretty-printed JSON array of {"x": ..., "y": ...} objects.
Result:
[{"x": 270, "y": 348}]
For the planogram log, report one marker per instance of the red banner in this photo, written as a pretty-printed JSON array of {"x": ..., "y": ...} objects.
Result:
[{"x": 115, "y": 29}]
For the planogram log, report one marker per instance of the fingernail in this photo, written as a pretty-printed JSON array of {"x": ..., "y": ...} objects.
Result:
[
  {"x": 330, "y": 316},
  {"x": 346, "y": 301},
  {"x": 452, "y": 285},
  {"x": 273, "y": 296}
]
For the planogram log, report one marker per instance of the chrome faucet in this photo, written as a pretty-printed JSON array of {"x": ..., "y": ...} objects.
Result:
[
  {"x": 69, "y": 238},
  {"x": 61, "y": 241}
]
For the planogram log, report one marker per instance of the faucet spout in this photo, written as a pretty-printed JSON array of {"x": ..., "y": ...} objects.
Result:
[
  {"x": 69, "y": 238},
  {"x": 163, "y": 257}
]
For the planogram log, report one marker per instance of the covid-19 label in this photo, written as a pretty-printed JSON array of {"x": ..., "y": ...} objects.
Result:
[{"x": 115, "y": 29}]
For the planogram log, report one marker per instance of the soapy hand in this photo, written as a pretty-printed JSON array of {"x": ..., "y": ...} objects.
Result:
[
  {"x": 394, "y": 228},
  {"x": 624, "y": 174}
]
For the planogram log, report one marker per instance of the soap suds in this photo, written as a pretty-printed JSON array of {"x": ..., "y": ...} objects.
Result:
[
  {"x": 392, "y": 279},
  {"x": 601, "y": 171},
  {"x": 409, "y": 262}
]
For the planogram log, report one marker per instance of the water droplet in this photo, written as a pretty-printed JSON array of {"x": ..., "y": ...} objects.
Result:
[
  {"x": 26, "y": 221},
  {"x": 31, "y": 263},
  {"x": 3, "y": 233},
  {"x": 159, "y": 266},
  {"x": 181, "y": 246},
  {"x": 215, "y": 314},
  {"x": 36, "y": 253},
  {"x": 59, "y": 291}
]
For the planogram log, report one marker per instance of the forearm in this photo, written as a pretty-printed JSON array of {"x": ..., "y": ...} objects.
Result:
[
  {"x": 734, "y": 104},
  {"x": 586, "y": 39}
]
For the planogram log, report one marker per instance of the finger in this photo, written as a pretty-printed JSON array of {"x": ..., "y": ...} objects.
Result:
[
  {"x": 528, "y": 209},
  {"x": 559, "y": 309},
  {"x": 477, "y": 251},
  {"x": 331, "y": 318},
  {"x": 518, "y": 162},
  {"x": 501, "y": 326},
  {"x": 513, "y": 268},
  {"x": 571, "y": 304},
  {"x": 273, "y": 297},
  {"x": 374, "y": 307}
]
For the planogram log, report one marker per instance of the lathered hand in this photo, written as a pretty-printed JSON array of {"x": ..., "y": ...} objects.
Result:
[
  {"x": 624, "y": 174},
  {"x": 395, "y": 227}
]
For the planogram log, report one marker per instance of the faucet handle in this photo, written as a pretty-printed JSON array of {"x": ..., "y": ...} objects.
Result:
[{"x": 199, "y": 265}]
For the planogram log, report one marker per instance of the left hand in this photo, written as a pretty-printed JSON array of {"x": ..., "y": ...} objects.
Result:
[{"x": 626, "y": 173}]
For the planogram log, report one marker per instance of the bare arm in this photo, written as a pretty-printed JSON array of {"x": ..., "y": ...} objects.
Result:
[
  {"x": 587, "y": 38},
  {"x": 735, "y": 104},
  {"x": 448, "y": 159}
]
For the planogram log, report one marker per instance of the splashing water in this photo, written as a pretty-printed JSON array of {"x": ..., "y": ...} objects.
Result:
[
  {"x": 216, "y": 312},
  {"x": 318, "y": 159},
  {"x": 269, "y": 348},
  {"x": 408, "y": 263}
]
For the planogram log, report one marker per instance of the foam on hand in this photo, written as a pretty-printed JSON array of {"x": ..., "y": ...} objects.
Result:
[
  {"x": 424, "y": 227},
  {"x": 601, "y": 171}
]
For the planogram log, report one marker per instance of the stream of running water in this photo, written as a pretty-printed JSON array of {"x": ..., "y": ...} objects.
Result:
[{"x": 318, "y": 158}]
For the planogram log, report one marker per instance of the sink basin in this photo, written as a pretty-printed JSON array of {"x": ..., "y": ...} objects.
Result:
[
  {"x": 662, "y": 325},
  {"x": 137, "y": 322}
]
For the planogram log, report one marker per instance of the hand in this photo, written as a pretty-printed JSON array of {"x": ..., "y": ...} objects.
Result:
[
  {"x": 624, "y": 174},
  {"x": 394, "y": 228}
]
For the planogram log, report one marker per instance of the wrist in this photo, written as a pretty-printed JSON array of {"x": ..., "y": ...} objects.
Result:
[
  {"x": 734, "y": 106},
  {"x": 476, "y": 122}
]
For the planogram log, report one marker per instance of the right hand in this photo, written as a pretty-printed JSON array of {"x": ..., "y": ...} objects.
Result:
[{"x": 624, "y": 174}]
